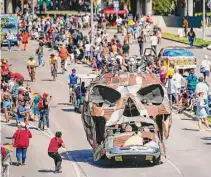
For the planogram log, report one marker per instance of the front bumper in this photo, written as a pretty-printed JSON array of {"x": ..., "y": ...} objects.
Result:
[{"x": 133, "y": 151}]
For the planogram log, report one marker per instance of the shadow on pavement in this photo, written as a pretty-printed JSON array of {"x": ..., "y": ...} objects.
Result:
[
  {"x": 66, "y": 104},
  {"x": 46, "y": 171},
  {"x": 190, "y": 129},
  {"x": 46, "y": 80},
  {"x": 86, "y": 156},
  {"x": 207, "y": 143},
  {"x": 9, "y": 138},
  {"x": 68, "y": 110},
  {"x": 12, "y": 124},
  {"x": 206, "y": 138}
]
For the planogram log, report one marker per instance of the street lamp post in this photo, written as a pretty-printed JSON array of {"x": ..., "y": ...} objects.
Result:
[
  {"x": 33, "y": 9},
  {"x": 92, "y": 22},
  {"x": 204, "y": 11}
]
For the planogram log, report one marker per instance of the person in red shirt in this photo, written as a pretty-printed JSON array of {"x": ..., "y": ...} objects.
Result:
[
  {"x": 53, "y": 148},
  {"x": 63, "y": 54},
  {"x": 21, "y": 142}
]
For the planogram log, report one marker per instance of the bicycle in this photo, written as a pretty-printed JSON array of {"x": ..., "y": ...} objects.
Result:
[
  {"x": 62, "y": 66},
  {"x": 32, "y": 73},
  {"x": 71, "y": 94},
  {"x": 54, "y": 72}
]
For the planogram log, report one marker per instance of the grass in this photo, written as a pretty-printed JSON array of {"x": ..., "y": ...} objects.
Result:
[
  {"x": 200, "y": 14},
  {"x": 198, "y": 42},
  {"x": 209, "y": 119}
]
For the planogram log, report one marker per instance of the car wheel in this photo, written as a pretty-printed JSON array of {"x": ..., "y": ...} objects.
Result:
[{"x": 157, "y": 161}]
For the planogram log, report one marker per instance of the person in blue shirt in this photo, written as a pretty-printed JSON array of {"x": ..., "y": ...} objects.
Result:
[
  {"x": 192, "y": 80},
  {"x": 72, "y": 83},
  {"x": 21, "y": 112},
  {"x": 80, "y": 93}
]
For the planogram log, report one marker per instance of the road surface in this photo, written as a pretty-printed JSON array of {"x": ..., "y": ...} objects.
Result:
[{"x": 188, "y": 150}]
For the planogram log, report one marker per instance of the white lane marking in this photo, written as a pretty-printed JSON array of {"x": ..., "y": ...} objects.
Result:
[
  {"x": 72, "y": 161},
  {"x": 175, "y": 167}
]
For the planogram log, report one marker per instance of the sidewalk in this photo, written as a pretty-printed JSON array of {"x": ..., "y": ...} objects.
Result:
[{"x": 198, "y": 31}]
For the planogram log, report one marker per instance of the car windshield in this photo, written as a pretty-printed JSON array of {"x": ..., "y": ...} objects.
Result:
[{"x": 177, "y": 52}]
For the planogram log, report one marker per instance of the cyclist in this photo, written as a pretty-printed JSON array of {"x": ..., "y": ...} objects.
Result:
[
  {"x": 80, "y": 93},
  {"x": 72, "y": 83},
  {"x": 53, "y": 60},
  {"x": 31, "y": 65}
]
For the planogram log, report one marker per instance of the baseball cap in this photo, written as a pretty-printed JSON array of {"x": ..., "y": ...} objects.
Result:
[{"x": 205, "y": 57}]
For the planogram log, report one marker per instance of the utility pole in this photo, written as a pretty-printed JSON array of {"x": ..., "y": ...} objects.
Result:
[
  {"x": 204, "y": 12},
  {"x": 92, "y": 22},
  {"x": 33, "y": 9}
]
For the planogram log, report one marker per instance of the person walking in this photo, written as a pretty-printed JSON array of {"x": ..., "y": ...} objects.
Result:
[
  {"x": 25, "y": 38},
  {"x": 154, "y": 42},
  {"x": 39, "y": 53},
  {"x": 125, "y": 49},
  {"x": 6, "y": 159},
  {"x": 201, "y": 113},
  {"x": 63, "y": 54},
  {"x": 191, "y": 37},
  {"x": 141, "y": 43},
  {"x": 185, "y": 26},
  {"x": 18, "y": 35},
  {"x": 171, "y": 89},
  {"x": 53, "y": 148},
  {"x": 10, "y": 38},
  {"x": 20, "y": 140},
  {"x": 205, "y": 67},
  {"x": 44, "y": 111}
]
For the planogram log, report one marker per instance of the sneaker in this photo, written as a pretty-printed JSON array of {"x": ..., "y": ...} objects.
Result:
[
  {"x": 18, "y": 164},
  {"x": 201, "y": 130},
  {"x": 23, "y": 163},
  {"x": 208, "y": 129}
]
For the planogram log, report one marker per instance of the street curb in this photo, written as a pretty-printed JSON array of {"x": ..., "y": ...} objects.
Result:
[
  {"x": 186, "y": 114},
  {"x": 182, "y": 42}
]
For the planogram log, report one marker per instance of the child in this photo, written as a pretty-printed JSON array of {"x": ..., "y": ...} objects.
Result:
[{"x": 201, "y": 113}]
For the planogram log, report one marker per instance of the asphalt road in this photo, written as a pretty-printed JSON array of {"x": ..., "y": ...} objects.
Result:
[{"x": 188, "y": 151}]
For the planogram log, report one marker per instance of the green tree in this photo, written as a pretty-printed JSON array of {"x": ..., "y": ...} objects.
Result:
[{"x": 162, "y": 7}]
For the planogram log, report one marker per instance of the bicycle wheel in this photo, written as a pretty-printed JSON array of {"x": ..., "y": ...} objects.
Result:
[
  {"x": 32, "y": 78},
  {"x": 54, "y": 74}
]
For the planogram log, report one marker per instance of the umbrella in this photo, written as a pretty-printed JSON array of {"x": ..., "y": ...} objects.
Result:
[
  {"x": 7, "y": 146},
  {"x": 17, "y": 75}
]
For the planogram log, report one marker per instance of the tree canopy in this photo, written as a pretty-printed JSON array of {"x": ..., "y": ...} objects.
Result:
[{"x": 162, "y": 7}]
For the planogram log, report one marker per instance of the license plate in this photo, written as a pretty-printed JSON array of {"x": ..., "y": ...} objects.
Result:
[
  {"x": 118, "y": 158},
  {"x": 149, "y": 157}
]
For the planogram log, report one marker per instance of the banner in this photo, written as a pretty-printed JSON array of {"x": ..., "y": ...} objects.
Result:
[{"x": 8, "y": 22}]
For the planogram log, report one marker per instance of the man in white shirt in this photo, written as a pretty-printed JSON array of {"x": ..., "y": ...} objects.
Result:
[
  {"x": 171, "y": 89},
  {"x": 154, "y": 42},
  {"x": 119, "y": 23},
  {"x": 206, "y": 67},
  {"x": 178, "y": 79},
  {"x": 202, "y": 87}
]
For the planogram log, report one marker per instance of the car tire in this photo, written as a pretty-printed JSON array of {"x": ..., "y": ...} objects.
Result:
[{"x": 157, "y": 161}]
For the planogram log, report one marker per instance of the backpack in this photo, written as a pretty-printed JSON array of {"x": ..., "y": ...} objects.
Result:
[
  {"x": 40, "y": 104},
  {"x": 26, "y": 96}
]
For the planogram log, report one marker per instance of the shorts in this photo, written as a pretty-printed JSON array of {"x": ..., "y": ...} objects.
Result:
[
  {"x": 88, "y": 54},
  {"x": 206, "y": 73},
  {"x": 36, "y": 111},
  {"x": 171, "y": 97},
  {"x": 6, "y": 104}
]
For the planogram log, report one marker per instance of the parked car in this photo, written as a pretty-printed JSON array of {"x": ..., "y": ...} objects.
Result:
[{"x": 183, "y": 58}]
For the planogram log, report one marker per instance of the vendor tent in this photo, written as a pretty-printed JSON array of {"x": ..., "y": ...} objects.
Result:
[{"x": 110, "y": 10}]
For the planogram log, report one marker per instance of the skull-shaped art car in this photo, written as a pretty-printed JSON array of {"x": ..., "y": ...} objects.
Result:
[{"x": 127, "y": 115}]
